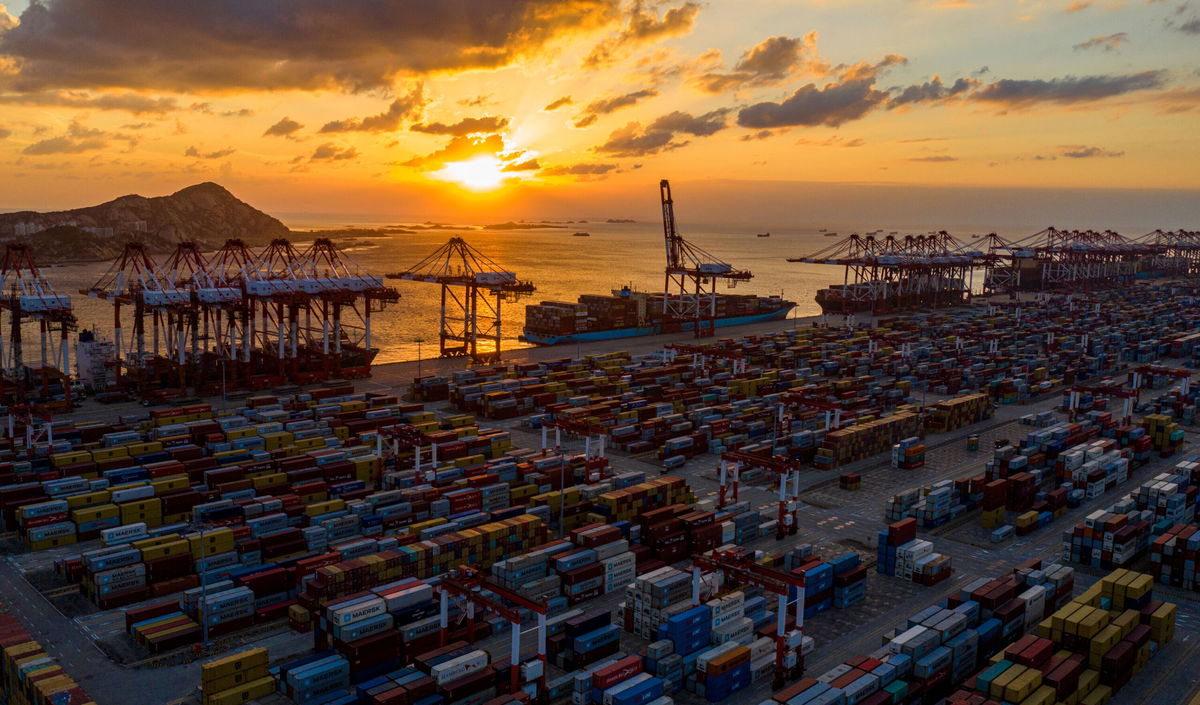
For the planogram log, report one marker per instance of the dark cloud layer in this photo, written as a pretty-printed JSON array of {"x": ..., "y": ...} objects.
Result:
[
  {"x": 604, "y": 106},
  {"x": 561, "y": 102},
  {"x": 660, "y": 135},
  {"x": 229, "y": 45},
  {"x": 131, "y": 102},
  {"x": 1069, "y": 89},
  {"x": 931, "y": 91},
  {"x": 466, "y": 126}
]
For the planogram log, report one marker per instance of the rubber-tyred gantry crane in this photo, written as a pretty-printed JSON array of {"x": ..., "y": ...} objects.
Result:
[
  {"x": 473, "y": 288},
  {"x": 787, "y": 472},
  {"x": 469, "y": 584},
  {"x": 788, "y": 589},
  {"x": 690, "y": 286},
  {"x": 1127, "y": 395}
]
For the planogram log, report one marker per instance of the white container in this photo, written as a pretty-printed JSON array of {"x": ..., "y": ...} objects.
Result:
[
  {"x": 358, "y": 612},
  {"x": 459, "y": 667}
]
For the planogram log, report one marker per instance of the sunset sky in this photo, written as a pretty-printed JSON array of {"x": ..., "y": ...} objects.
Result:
[{"x": 548, "y": 107}]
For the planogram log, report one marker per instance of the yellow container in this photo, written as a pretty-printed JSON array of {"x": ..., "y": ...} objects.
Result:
[
  {"x": 174, "y": 548},
  {"x": 317, "y": 508},
  {"x": 999, "y": 684},
  {"x": 235, "y": 663},
  {"x": 88, "y": 499}
]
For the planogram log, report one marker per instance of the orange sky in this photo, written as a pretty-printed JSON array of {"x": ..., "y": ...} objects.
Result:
[{"x": 530, "y": 107}]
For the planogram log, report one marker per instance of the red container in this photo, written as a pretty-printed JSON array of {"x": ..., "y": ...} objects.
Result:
[
  {"x": 902, "y": 532},
  {"x": 611, "y": 675}
]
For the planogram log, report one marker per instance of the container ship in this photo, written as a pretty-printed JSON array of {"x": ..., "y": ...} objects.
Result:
[
  {"x": 630, "y": 314},
  {"x": 879, "y": 298}
]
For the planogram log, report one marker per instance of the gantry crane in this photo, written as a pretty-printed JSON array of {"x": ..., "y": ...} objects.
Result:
[
  {"x": 1138, "y": 375},
  {"x": 883, "y": 275},
  {"x": 472, "y": 316},
  {"x": 1127, "y": 395},
  {"x": 738, "y": 566},
  {"x": 469, "y": 584},
  {"x": 27, "y": 295},
  {"x": 240, "y": 319},
  {"x": 690, "y": 285},
  {"x": 787, "y": 472}
]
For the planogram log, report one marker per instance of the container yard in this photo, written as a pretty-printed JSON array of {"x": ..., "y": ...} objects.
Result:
[{"x": 992, "y": 502}]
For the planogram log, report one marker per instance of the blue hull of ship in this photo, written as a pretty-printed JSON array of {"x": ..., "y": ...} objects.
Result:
[{"x": 589, "y": 336}]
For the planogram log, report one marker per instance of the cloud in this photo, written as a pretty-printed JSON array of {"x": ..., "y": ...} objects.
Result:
[
  {"x": 137, "y": 126},
  {"x": 217, "y": 154},
  {"x": 459, "y": 148},
  {"x": 7, "y": 21},
  {"x": 4, "y": 133},
  {"x": 759, "y": 135},
  {"x": 286, "y": 126},
  {"x": 1017, "y": 93},
  {"x": 227, "y": 45},
  {"x": 331, "y": 151},
  {"x": 403, "y": 108},
  {"x": 207, "y": 109},
  {"x": 770, "y": 61},
  {"x": 931, "y": 91},
  {"x": 851, "y": 97},
  {"x": 1107, "y": 42},
  {"x": 938, "y": 158},
  {"x": 1079, "y": 5},
  {"x": 831, "y": 105},
  {"x": 832, "y": 141},
  {"x": 981, "y": 71},
  {"x": 604, "y": 106},
  {"x": 131, "y": 102},
  {"x": 466, "y": 126},
  {"x": 593, "y": 169},
  {"x": 527, "y": 165},
  {"x": 922, "y": 139},
  {"x": 477, "y": 102},
  {"x": 643, "y": 26},
  {"x": 64, "y": 145},
  {"x": 555, "y": 105},
  {"x": 1079, "y": 151},
  {"x": 659, "y": 136},
  {"x": 1190, "y": 27}
]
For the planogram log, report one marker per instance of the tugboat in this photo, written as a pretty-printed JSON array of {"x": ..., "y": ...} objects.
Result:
[
  {"x": 764, "y": 234},
  {"x": 581, "y": 234}
]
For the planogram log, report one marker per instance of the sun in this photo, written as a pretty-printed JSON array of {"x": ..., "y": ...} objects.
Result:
[{"x": 478, "y": 174}]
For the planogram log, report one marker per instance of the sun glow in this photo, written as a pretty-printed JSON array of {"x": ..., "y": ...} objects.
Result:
[{"x": 478, "y": 174}]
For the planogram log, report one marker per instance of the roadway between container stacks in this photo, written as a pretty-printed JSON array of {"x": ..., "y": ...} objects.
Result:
[{"x": 71, "y": 643}]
